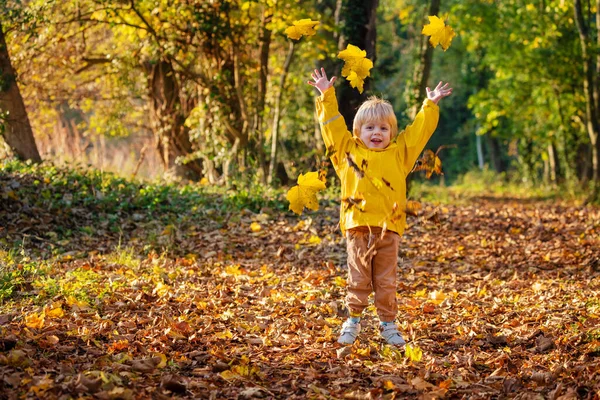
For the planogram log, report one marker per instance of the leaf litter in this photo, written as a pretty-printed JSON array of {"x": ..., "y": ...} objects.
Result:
[{"x": 497, "y": 298}]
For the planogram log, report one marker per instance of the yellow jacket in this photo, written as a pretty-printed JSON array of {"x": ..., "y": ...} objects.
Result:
[{"x": 373, "y": 180}]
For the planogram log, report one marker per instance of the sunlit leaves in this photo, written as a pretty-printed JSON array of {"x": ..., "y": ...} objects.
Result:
[
  {"x": 430, "y": 163},
  {"x": 305, "y": 193},
  {"x": 303, "y": 27},
  {"x": 357, "y": 66},
  {"x": 35, "y": 321},
  {"x": 413, "y": 353},
  {"x": 439, "y": 32}
]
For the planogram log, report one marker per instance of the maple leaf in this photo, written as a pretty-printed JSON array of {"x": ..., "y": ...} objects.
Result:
[
  {"x": 356, "y": 67},
  {"x": 305, "y": 193},
  {"x": 430, "y": 162},
  {"x": 302, "y": 27},
  {"x": 440, "y": 32},
  {"x": 356, "y": 81}
]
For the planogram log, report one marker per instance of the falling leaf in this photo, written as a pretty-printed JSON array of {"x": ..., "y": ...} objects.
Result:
[
  {"x": 255, "y": 227},
  {"x": 357, "y": 66},
  {"x": 413, "y": 207},
  {"x": 305, "y": 193},
  {"x": 430, "y": 162},
  {"x": 303, "y": 27},
  {"x": 356, "y": 81},
  {"x": 440, "y": 32}
]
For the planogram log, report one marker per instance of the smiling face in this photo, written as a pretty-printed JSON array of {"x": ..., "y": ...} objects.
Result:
[
  {"x": 375, "y": 123},
  {"x": 376, "y": 134}
]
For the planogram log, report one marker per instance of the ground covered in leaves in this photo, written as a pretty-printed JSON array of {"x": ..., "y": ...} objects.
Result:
[{"x": 499, "y": 298}]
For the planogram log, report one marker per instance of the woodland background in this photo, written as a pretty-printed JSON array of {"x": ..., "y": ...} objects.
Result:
[
  {"x": 152, "y": 253},
  {"x": 215, "y": 90}
]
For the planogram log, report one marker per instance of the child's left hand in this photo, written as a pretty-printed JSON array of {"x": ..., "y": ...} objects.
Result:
[{"x": 439, "y": 92}]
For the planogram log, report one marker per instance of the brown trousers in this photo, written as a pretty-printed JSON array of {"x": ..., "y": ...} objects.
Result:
[{"x": 372, "y": 263}]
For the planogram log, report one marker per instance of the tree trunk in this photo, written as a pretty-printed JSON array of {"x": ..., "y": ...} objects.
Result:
[
  {"x": 495, "y": 153},
  {"x": 277, "y": 112},
  {"x": 172, "y": 136},
  {"x": 479, "y": 146},
  {"x": 422, "y": 69},
  {"x": 265, "y": 45},
  {"x": 359, "y": 29},
  {"x": 589, "y": 88},
  {"x": 14, "y": 122}
]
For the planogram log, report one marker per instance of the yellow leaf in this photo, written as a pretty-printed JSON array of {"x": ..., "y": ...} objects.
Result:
[
  {"x": 301, "y": 27},
  {"x": 413, "y": 353},
  {"x": 163, "y": 360},
  {"x": 437, "y": 297},
  {"x": 314, "y": 239},
  {"x": 55, "y": 313},
  {"x": 388, "y": 385},
  {"x": 73, "y": 302},
  {"x": 421, "y": 293},
  {"x": 161, "y": 289},
  {"x": 413, "y": 207},
  {"x": 34, "y": 321},
  {"x": 364, "y": 352},
  {"x": 356, "y": 67},
  {"x": 440, "y": 33},
  {"x": 339, "y": 281},
  {"x": 355, "y": 81},
  {"x": 305, "y": 193},
  {"x": 255, "y": 227},
  {"x": 233, "y": 269},
  {"x": 229, "y": 375},
  {"x": 224, "y": 335}
]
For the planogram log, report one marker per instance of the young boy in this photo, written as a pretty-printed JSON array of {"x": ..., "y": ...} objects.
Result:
[{"x": 372, "y": 165}]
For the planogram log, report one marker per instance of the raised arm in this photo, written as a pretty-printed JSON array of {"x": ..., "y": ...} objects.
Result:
[
  {"x": 414, "y": 138},
  {"x": 333, "y": 127}
]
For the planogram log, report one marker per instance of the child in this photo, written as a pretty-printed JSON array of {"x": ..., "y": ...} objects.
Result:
[{"x": 372, "y": 165}]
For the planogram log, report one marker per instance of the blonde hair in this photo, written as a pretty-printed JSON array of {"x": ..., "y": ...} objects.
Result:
[{"x": 375, "y": 109}]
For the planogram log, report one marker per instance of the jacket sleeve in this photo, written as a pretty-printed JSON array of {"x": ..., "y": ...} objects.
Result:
[
  {"x": 413, "y": 139},
  {"x": 333, "y": 126}
]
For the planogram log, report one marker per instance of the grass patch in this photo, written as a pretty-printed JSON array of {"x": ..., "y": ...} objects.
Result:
[{"x": 486, "y": 183}]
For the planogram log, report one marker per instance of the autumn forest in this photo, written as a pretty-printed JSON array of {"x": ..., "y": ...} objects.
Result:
[{"x": 177, "y": 198}]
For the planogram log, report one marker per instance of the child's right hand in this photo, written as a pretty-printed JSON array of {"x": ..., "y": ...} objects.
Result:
[{"x": 320, "y": 80}]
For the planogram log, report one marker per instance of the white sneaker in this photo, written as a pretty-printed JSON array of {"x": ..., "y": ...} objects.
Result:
[
  {"x": 391, "y": 335},
  {"x": 349, "y": 332}
]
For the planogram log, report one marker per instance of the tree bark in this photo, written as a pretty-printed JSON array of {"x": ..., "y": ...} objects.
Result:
[
  {"x": 479, "y": 146},
  {"x": 172, "y": 136},
  {"x": 422, "y": 68},
  {"x": 277, "y": 112},
  {"x": 589, "y": 89},
  {"x": 359, "y": 29},
  {"x": 265, "y": 46},
  {"x": 495, "y": 152},
  {"x": 14, "y": 122}
]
